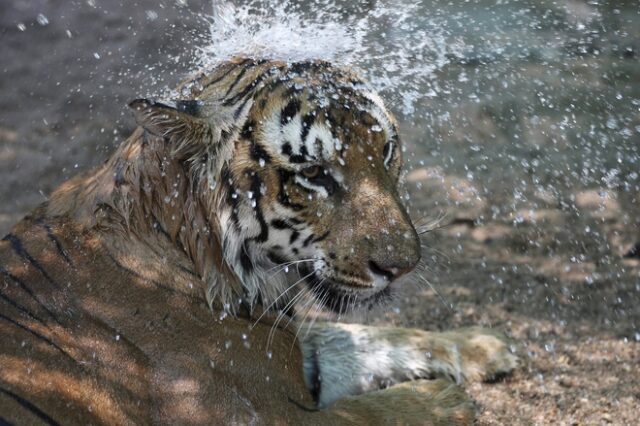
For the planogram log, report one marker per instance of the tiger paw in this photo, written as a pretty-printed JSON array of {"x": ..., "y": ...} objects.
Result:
[{"x": 484, "y": 354}]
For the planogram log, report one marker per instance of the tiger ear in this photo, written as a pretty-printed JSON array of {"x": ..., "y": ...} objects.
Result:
[
  {"x": 181, "y": 128},
  {"x": 192, "y": 126}
]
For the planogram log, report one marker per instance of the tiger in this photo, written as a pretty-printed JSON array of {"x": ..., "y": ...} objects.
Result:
[{"x": 166, "y": 285}]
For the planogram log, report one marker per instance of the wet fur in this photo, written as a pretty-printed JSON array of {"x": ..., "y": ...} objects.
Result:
[{"x": 108, "y": 288}]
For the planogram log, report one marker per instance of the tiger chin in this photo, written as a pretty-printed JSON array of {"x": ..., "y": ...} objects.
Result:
[{"x": 160, "y": 287}]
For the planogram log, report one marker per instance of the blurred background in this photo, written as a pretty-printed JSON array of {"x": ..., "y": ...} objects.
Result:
[{"x": 521, "y": 121}]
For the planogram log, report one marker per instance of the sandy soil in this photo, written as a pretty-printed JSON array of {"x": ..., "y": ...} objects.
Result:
[{"x": 527, "y": 245}]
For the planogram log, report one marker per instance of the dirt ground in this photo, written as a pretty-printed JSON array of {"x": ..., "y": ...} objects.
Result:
[{"x": 528, "y": 242}]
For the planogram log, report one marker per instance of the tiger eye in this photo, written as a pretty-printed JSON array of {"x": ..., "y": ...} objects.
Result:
[{"x": 312, "y": 172}]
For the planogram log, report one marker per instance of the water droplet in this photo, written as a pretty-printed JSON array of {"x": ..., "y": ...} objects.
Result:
[{"x": 42, "y": 20}]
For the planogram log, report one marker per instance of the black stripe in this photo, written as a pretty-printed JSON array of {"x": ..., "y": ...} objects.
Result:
[
  {"x": 258, "y": 152},
  {"x": 238, "y": 78},
  {"x": 295, "y": 221},
  {"x": 185, "y": 269},
  {"x": 280, "y": 224},
  {"x": 297, "y": 159},
  {"x": 235, "y": 98},
  {"x": 36, "y": 334},
  {"x": 325, "y": 180},
  {"x": 385, "y": 153},
  {"x": 245, "y": 260},
  {"x": 321, "y": 237},
  {"x": 23, "y": 286},
  {"x": 227, "y": 72},
  {"x": 314, "y": 376},
  {"x": 301, "y": 67},
  {"x": 17, "y": 246},
  {"x": 307, "y": 240},
  {"x": 56, "y": 242},
  {"x": 289, "y": 111},
  {"x": 190, "y": 106},
  {"x": 294, "y": 158},
  {"x": 247, "y": 130},
  {"x": 226, "y": 179},
  {"x": 30, "y": 407},
  {"x": 307, "y": 121},
  {"x": 256, "y": 185},
  {"x": 283, "y": 198},
  {"x": 21, "y": 308},
  {"x": 313, "y": 239},
  {"x": 270, "y": 88},
  {"x": 233, "y": 202},
  {"x": 275, "y": 258},
  {"x": 238, "y": 110},
  {"x": 294, "y": 237},
  {"x": 158, "y": 284}
]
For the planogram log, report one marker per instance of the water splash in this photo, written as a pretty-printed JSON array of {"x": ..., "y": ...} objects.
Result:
[{"x": 411, "y": 45}]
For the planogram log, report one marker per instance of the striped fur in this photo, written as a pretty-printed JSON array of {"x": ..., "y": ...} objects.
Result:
[
  {"x": 106, "y": 290},
  {"x": 244, "y": 135}
]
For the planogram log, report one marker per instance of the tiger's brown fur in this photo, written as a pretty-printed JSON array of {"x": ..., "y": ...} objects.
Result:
[{"x": 107, "y": 288}]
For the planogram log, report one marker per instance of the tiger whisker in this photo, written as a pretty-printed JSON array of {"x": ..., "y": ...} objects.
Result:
[
  {"x": 442, "y": 299},
  {"x": 281, "y": 295},
  {"x": 309, "y": 309},
  {"x": 282, "y": 314},
  {"x": 437, "y": 251},
  {"x": 319, "y": 308},
  {"x": 285, "y": 264}
]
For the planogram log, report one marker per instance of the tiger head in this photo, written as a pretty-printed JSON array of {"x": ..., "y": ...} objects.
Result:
[{"x": 300, "y": 166}]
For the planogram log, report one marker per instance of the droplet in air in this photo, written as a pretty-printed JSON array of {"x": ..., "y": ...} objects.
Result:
[{"x": 42, "y": 20}]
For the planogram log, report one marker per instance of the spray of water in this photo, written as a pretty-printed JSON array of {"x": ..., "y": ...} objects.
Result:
[{"x": 411, "y": 46}]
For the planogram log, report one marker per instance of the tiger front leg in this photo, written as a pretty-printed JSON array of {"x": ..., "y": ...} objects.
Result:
[
  {"x": 352, "y": 359},
  {"x": 419, "y": 402}
]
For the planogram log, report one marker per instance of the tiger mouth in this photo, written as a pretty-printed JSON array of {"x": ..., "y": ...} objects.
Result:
[{"x": 341, "y": 296}]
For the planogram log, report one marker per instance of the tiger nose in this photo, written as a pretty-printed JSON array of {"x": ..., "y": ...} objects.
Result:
[{"x": 392, "y": 271}]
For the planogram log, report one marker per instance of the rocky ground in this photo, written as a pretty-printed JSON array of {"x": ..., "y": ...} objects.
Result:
[{"x": 530, "y": 161}]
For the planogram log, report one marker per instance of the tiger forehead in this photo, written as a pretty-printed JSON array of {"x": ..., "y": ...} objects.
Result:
[
  {"x": 301, "y": 113},
  {"x": 315, "y": 125}
]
